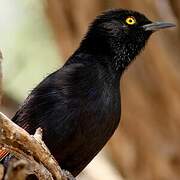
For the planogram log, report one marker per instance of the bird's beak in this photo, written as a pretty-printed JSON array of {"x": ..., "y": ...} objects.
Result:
[{"x": 158, "y": 25}]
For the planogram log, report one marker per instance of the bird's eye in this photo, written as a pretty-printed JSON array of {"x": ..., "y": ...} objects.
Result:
[{"x": 130, "y": 20}]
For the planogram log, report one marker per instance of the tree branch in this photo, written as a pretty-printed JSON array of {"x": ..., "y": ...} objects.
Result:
[{"x": 31, "y": 148}]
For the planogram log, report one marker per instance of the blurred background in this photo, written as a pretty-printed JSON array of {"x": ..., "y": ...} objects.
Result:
[{"x": 36, "y": 37}]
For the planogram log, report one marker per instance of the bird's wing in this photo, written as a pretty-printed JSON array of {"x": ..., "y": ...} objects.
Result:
[
  {"x": 54, "y": 105},
  {"x": 52, "y": 93}
]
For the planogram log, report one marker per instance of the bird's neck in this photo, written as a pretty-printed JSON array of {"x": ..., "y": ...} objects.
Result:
[
  {"x": 124, "y": 54},
  {"x": 96, "y": 44},
  {"x": 116, "y": 55}
]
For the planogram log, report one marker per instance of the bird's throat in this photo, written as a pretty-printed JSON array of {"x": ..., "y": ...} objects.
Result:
[{"x": 124, "y": 54}]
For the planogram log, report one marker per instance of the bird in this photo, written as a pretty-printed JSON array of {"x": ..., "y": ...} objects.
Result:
[{"x": 79, "y": 105}]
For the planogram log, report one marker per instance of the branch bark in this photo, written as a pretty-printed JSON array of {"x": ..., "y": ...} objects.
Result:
[{"x": 31, "y": 148}]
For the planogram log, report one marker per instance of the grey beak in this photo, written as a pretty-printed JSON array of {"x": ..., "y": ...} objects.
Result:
[{"x": 158, "y": 25}]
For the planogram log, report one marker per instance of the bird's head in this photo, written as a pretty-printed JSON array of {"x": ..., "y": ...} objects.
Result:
[{"x": 120, "y": 34}]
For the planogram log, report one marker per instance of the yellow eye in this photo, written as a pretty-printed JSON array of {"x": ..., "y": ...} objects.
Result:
[{"x": 130, "y": 20}]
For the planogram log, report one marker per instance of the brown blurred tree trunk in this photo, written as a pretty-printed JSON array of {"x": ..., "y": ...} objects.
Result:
[
  {"x": 146, "y": 146},
  {"x": 0, "y": 78},
  {"x": 7, "y": 104},
  {"x": 70, "y": 21}
]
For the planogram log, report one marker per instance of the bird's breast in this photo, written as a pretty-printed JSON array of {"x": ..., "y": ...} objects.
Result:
[{"x": 101, "y": 117}]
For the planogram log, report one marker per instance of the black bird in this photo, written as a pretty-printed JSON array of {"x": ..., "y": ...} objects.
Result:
[{"x": 78, "y": 106}]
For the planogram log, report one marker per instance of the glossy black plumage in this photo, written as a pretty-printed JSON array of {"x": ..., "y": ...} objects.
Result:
[{"x": 78, "y": 106}]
